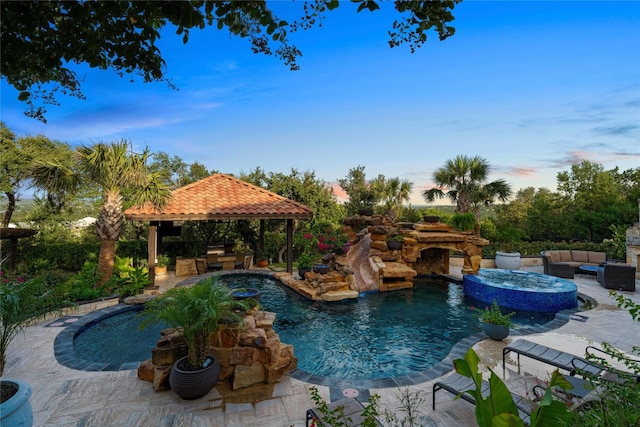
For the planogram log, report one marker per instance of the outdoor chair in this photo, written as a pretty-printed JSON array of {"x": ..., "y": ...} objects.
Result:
[
  {"x": 457, "y": 384},
  {"x": 620, "y": 277},
  {"x": 565, "y": 361}
]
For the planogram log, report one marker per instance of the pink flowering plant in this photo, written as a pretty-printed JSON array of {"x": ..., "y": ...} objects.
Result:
[
  {"x": 325, "y": 242},
  {"x": 494, "y": 315}
]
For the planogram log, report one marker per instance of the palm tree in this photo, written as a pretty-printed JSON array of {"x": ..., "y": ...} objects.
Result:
[
  {"x": 394, "y": 193},
  {"x": 116, "y": 172},
  {"x": 463, "y": 181}
]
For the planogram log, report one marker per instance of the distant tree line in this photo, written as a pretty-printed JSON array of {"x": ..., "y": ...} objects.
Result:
[{"x": 591, "y": 204}]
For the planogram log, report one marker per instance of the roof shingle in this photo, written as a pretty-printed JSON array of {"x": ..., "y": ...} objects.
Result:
[{"x": 221, "y": 197}]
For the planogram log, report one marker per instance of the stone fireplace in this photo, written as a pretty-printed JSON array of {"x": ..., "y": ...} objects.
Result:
[{"x": 633, "y": 244}]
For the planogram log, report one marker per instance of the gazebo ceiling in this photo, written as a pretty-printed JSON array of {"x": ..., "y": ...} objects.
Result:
[{"x": 221, "y": 197}]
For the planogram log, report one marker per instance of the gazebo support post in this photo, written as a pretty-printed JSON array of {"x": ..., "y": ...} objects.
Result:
[
  {"x": 151, "y": 251},
  {"x": 261, "y": 237},
  {"x": 290, "y": 246}
]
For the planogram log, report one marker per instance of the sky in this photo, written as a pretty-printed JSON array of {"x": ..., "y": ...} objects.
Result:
[{"x": 532, "y": 87}]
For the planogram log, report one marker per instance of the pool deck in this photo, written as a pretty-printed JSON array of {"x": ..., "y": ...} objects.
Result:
[{"x": 68, "y": 397}]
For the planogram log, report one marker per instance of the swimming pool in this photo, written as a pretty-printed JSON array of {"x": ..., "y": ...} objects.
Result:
[{"x": 375, "y": 337}]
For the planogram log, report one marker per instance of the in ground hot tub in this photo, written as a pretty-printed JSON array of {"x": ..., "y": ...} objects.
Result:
[{"x": 521, "y": 290}]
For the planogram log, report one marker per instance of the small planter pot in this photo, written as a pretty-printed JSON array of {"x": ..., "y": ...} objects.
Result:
[
  {"x": 191, "y": 385},
  {"x": 16, "y": 411},
  {"x": 430, "y": 218},
  {"x": 247, "y": 293},
  {"x": 321, "y": 268},
  {"x": 302, "y": 272},
  {"x": 495, "y": 332},
  {"x": 508, "y": 260},
  {"x": 365, "y": 212},
  {"x": 262, "y": 263},
  {"x": 160, "y": 270}
]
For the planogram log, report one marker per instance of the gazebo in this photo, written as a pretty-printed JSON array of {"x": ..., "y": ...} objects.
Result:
[{"x": 219, "y": 197}]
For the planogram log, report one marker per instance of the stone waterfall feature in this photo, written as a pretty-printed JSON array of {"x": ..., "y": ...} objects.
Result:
[{"x": 371, "y": 266}]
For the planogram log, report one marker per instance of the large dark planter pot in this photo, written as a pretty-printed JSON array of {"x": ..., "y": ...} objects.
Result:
[
  {"x": 302, "y": 272},
  {"x": 365, "y": 212},
  {"x": 16, "y": 411},
  {"x": 191, "y": 385},
  {"x": 394, "y": 245},
  {"x": 495, "y": 332},
  {"x": 508, "y": 260},
  {"x": 321, "y": 268},
  {"x": 430, "y": 218}
]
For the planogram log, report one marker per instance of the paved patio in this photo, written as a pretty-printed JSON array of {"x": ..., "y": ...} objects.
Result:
[{"x": 68, "y": 397}]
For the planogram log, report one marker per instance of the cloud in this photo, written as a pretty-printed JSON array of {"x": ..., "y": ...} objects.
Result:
[{"x": 629, "y": 130}]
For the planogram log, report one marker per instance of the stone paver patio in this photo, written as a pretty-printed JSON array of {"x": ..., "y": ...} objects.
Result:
[{"x": 68, "y": 397}]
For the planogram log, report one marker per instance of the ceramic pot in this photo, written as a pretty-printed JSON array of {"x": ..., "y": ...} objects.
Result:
[
  {"x": 495, "y": 332},
  {"x": 160, "y": 270},
  {"x": 247, "y": 293},
  {"x": 430, "y": 218},
  {"x": 262, "y": 263},
  {"x": 17, "y": 411},
  {"x": 508, "y": 260},
  {"x": 191, "y": 385},
  {"x": 365, "y": 212},
  {"x": 321, "y": 268},
  {"x": 302, "y": 272}
]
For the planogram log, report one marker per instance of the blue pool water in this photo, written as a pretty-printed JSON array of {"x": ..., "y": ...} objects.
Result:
[{"x": 379, "y": 335}]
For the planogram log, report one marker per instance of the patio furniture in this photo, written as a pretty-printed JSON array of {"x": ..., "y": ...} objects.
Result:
[
  {"x": 457, "y": 384},
  {"x": 590, "y": 270},
  {"x": 566, "y": 263},
  {"x": 617, "y": 276},
  {"x": 352, "y": 413},
  {"x": 565, "y": 361}
]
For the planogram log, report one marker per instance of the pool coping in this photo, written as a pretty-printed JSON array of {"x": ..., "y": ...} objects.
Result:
[{"x": 66, "y": 356}]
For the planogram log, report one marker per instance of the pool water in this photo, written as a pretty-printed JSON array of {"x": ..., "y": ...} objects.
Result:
[
  {"x": 118, "y": 339},
  {"x": 376, "y": 336}
]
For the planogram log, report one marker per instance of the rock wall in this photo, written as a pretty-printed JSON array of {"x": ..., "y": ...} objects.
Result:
[
  {"x": 249, "y": 353},
  {"x": 370, "y": 265}
]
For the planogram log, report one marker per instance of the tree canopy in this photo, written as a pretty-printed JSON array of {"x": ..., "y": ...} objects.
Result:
[{"x": 41, "y": 40}]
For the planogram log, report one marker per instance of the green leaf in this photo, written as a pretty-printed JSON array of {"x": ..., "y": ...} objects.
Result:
[{"x": 23, "y": 96}]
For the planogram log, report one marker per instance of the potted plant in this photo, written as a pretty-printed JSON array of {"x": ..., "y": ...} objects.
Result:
[
  {"x": 395, "y": 242},
  {"x": 21, "y": 303},
  {"x": 161, "y": 264},
  {"x": 305, "y": 264},
  {"x": 509, "y": 260},
  {"x": 463, "y": 222},
  {"x": 198, "y": 311},
  {"x": 495, "y": 324}
]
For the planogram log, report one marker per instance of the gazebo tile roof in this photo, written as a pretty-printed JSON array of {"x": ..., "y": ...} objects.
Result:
[{"x": 221, "y": 196}]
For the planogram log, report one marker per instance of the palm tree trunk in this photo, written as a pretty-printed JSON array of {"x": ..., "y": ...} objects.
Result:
[{"x": 106, "y": 259}]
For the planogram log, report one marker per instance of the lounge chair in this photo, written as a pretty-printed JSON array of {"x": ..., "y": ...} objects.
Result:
[
  {"x": 457, "y": 384},
  {"x": 565, "y": 361}
]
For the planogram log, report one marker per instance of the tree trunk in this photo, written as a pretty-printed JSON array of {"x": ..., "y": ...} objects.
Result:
[
  {"x": 11, "y": 207},
  {"x": 106, "y": 259}
]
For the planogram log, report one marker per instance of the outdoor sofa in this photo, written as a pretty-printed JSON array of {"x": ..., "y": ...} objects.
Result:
[{"x": 566, "y": 263}]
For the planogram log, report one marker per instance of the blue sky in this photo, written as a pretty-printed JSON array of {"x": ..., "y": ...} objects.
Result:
[{"x": 533, "y": 87}]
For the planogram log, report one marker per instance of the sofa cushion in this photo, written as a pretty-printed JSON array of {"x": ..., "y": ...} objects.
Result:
[
  {"x": 580, "y": 256},
  {"x": 597, "y": 257},
  {"x": 552, "y": 256},
  {"x": 565, "y": 256}
]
